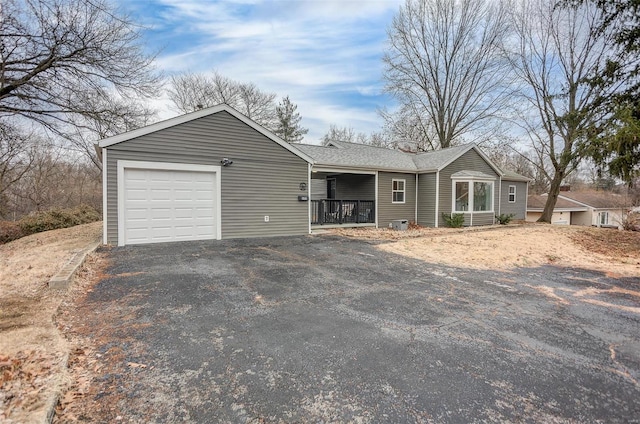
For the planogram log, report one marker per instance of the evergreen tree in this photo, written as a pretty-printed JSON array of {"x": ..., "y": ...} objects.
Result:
[{"x": 288, "y": 122}]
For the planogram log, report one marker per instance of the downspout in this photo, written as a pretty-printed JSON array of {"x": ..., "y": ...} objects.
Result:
[
  {"x": 526, "y": 200},
  {"x": 416, "y": 201},
  {"x": 437, "y": 196},
  {"x": 104, "y": 196},
  {"x": 309, "y": 169},
  {"x": 499, "y": 199}
]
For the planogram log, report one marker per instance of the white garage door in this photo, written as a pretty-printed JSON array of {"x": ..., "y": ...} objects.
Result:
[{"x": 163, "y": 205}]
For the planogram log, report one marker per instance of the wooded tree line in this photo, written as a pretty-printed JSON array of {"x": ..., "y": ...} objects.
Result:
[
  {"x": 547, "y": 85},
  {"x": 557, "y": 79}
]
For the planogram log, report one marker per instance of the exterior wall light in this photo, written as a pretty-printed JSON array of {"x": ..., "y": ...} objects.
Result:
[
  {"x": 303, "y": 186},
  {"x": 226, "y": 161}
]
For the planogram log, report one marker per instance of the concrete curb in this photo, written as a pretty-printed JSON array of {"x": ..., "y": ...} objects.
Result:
[
  {"x": 52, "y": 402},
  {"x": 62, "y": 280}
]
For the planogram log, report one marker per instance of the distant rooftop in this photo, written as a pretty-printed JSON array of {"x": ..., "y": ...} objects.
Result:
[
  {"x": 597, "y": 199},
  {"x": 580, "y": 200},
  {"x": 537, "y": 202}
]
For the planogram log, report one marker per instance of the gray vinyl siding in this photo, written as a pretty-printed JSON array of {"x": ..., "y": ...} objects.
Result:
[
  {"x": 318, "y": 189},
  {"x": 483, "y": 218},
  {"x": 355, "y": 187},
  {"x": 427, "y": 200},
  {"x": 469, "y": 161},
  {"x": 519, "y": 208},
  {"x": 388, "y": 211},
  {"x": 263, "y": 179}
]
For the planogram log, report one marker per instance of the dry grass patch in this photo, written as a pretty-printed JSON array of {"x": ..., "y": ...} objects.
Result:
[
  {"x": 505, "y": 247},
  {"x": 32, "y": 352}
]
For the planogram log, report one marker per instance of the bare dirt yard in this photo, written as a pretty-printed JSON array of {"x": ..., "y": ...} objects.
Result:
[
  {"x": 32, "y": 351},
  {"x": 616, "y": 253}
]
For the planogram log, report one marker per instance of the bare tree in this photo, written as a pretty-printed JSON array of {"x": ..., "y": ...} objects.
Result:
[
  {"x": 409, "y": 129},
  {"x": 62, "y": 61},
  {"x": 555, "y": 53},
  {"x": 190, "y": 92},
  {"x": 444, "y": 66},
  {"x": 117, "y": 115},
  {"x": 510, "y": 159},
  {"x": 53, "y": 178},
  {"x": 336, "y": 133},
  {"x": 16, "y": 156}
]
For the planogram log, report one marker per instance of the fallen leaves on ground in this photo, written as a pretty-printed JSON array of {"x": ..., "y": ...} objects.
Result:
[
  {"x": 23, "y": 377},
  {"x": 609, "y": 242}
]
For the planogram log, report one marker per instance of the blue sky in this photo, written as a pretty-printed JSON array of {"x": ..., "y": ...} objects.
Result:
[{"x": 326, "y": 55}]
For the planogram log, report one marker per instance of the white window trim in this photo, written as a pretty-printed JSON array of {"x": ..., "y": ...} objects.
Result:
[
  {"x": 514, "y": 194},
  {"x": 602, "y": 214},
  {"x": 403, "y": 191},
  {"x": 470, "y": 194}
]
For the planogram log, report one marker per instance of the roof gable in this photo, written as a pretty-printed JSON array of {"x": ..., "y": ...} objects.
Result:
[
  {"x": 472, "y": 175},
  {"x": 168, "y": 123}
]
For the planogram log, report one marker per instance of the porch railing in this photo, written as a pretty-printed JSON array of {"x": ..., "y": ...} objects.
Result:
[{"x": 331, "y": 211}]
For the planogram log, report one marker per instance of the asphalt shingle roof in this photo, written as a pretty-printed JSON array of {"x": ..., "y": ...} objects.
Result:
[
  {"x": 359, "y": 155},
  {"x": 364, "y": 156},
  {"x": 537, "y": 201},
  {"x": 513, "y": 176},
  {"x": 597, "y": 199},
  {"x": 431, "y": 161}
]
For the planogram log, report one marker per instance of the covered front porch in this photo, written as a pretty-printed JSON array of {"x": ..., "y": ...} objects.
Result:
[{"x": 342, "y": 199}]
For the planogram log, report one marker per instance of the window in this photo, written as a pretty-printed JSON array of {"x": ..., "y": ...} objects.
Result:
[
  {"x": 482, "y": 196},
  {"x": 474, "y": 196},
  {"x": 512, "y": 194},
  {"x": 604, "y": 218},
  {"x": 397, "y": 191},
  {"x": 462, "y": 196}
]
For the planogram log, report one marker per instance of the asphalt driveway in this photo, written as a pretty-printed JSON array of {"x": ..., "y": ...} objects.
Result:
[{"x": 327, "y": 329}]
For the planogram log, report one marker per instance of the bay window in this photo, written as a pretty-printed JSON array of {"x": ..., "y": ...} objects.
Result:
[{"x": 476, "y": 196}]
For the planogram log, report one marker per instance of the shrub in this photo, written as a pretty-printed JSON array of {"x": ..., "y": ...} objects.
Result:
[
  {"x": 504, "y": 219},
  {"x": 56, "y": 218},
  {"x": 9, "y": 231},
  {"x": 414, "y": 226},
  {"x": 631, "y": 221},
  {"x": 456, "y": 220}
]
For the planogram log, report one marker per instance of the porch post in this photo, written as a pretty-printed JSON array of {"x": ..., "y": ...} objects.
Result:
[{"x": 376, "y": 200}]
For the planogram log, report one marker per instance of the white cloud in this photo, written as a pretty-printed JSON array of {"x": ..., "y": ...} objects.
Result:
[{"x": 324, "y": 54}]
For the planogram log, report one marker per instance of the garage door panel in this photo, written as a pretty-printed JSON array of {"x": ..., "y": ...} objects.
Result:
[
  {"x": 203, "y": 195},
  {"x": 162, "y": 205},
  {"x": 183, "y": 194},
  {"x": 202, "y": 214},
  {"x": 135, "y": 194}
]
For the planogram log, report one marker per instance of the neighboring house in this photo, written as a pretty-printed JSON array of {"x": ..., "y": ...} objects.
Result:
[
  {"x": 590, "y": 208},
  {"x": 215, "y": 174},
  {"x": 565, "y": 212}
]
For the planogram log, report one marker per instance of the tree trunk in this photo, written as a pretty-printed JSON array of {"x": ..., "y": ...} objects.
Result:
[{"x": 552, "y": 197}]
